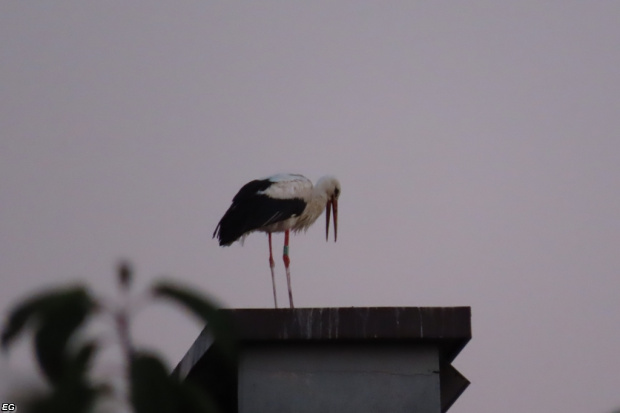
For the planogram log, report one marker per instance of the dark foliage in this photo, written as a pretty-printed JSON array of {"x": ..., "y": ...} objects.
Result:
[{"x": 56, "y": 316}]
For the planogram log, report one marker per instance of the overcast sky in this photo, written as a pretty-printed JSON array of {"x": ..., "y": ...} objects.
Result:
[{"x": 476, "y": 143}]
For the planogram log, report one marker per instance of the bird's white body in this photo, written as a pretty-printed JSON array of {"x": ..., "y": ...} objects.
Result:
[
  {"x": 288, "y": 186},
  {"x": 291, "y": 186}
]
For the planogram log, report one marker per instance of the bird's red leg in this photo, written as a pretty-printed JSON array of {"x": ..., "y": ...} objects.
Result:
[
  {"x": 287, "y": 262},
  {"x": 272, "y": 264}
]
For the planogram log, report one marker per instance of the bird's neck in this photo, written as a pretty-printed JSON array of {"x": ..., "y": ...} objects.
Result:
[{"x": 317, "y": 203}]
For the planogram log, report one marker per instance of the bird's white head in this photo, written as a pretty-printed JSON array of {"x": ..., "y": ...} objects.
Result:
[{"x": 330, "y": 186}]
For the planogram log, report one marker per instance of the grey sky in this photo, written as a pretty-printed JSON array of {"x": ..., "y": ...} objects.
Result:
[{"x": 476, "y": 144}]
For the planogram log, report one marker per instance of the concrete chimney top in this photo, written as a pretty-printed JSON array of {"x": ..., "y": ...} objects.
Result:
[{"x": 352, "y": 359}]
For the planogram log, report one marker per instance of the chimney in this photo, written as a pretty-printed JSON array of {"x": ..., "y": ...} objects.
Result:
[{"x": 378, "y": 359}]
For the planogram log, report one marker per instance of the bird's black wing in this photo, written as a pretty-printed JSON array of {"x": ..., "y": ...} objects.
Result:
[
  {"x": 251, "y": 211},
  {"x": 251, "y": 189}
]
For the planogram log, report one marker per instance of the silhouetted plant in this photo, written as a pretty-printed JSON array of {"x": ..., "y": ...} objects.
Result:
[{"x": 57, "y": 316}]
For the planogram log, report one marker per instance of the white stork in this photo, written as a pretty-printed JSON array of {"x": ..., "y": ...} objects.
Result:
[{"x": 279, "y": 203}]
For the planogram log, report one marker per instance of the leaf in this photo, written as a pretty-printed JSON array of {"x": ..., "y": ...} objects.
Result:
[
  {"x": 55, "y": 316},
  {"x": 73, "y": 393},
  {"x": 154, "y": 390},
  {"x": 38, "y": 306},
  {"x": 195, "y": 400},
  {"x": 75, "y": 396},
  {"x": 151, "y": 390},
  {"x": 78, "y": 363},
  {"x": 21, "y": 315},
  {"x": 65, "y": 313},
  {"x": 219, "y": 324}
]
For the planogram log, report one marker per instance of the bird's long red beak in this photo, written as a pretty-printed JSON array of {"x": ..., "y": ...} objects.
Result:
[{"x": 332, "y": 204}]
